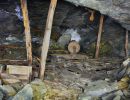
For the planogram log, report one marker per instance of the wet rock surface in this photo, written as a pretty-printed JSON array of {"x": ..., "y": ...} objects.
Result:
[{"x": 9, "y": 21}]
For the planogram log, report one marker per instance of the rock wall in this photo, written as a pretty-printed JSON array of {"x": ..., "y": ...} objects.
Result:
[{"x": 116, "y": 9}]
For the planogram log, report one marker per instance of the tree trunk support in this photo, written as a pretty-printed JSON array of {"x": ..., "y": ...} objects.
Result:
[
  {"x": 46, "y": 40},
  {"x": 126, "y": 44},
  {"x": 99, "y": 36},
  {"x": 27, "y": 31}
]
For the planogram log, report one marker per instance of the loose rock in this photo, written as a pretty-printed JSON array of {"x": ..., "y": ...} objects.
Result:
[{"x": 25, "y": 94}]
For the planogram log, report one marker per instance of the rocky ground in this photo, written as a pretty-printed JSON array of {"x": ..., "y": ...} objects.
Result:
[{"x": 74, "y": 77}]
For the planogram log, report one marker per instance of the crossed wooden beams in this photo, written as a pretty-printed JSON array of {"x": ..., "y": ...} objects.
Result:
[{"x": 45, "y": 45}]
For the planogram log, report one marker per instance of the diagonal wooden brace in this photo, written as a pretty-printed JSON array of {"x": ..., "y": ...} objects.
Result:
[{"x": 47, "y": 35}]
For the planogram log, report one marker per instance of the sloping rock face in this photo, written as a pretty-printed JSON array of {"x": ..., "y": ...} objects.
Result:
[{"x": 117, "y": 9}]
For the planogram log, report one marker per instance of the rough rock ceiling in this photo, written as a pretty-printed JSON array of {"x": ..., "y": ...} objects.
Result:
[{"x": 116, "y": 9}]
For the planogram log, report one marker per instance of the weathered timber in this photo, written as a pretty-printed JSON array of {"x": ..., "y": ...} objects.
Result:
[
  {"x": 8, "y": 79},
  {"x": 47, "y": 35},
  {"x": 126, "y": 44},
  {"x": 27, "y": 31},
  {"x": 11, "y": 46},
  {"x": 73, "y": 47},
  {"x": 99, "y": 36},
  {"x": 21, "y": 72},
  {"x": 14, "y": 62}
]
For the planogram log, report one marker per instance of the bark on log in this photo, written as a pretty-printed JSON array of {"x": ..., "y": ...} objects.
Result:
[
  {"x": 99, "y": 36},
  {"x": 46, "y": 40},
  {"x": 27, "y": 31}
]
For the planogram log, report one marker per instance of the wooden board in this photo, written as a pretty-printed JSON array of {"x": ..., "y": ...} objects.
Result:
[{"x": 19, "y": 70}]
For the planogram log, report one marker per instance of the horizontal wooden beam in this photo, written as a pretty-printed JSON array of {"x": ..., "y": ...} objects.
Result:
[{"x": 14, "y": 62}]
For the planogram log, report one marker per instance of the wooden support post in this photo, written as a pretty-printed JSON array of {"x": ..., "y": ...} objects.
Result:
[
  {"x": 27, "y": 31},
  {"x": 99, "y": 36},
  {"x": 126, "y": 44},
  {"x": 46, "y": 40}
]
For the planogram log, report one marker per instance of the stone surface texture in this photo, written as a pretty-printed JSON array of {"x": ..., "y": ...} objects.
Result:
[{"x": 117, "y": 9}]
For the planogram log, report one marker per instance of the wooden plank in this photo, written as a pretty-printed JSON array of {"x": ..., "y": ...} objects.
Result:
[
  {"x": 27, "y": 31},
  {"x": 46, "y": 40},
  {"x": 23, "y": 77},
  {"x": 9, "y": 79},
  {"x": 14, "y": 62},
  {"x": 99, "y": 36},
  {"x": 19, "y": 70},
  {"x": 126, "y": 44},
  {"x": 12, "y": 46}
]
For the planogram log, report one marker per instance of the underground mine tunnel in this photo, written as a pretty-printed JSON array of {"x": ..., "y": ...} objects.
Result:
[{"x": 64, "y": 50}]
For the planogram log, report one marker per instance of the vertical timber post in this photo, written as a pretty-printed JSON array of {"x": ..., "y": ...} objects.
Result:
[
  {"x": 27, "y": 31},
  {"x": 126, "y": 44},
  {"x": 99, "y": 36},
  {"x": 47, "y": 35}
]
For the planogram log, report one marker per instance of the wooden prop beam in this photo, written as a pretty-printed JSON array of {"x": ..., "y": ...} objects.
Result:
[
  {"x": 27, "y": 31},
  {"x": 99, "y": 36},
  {"x": 46, "y": 40},
  {"x": 126, "y": 43}
]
